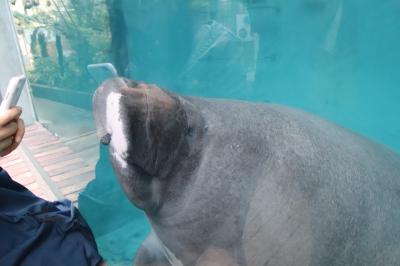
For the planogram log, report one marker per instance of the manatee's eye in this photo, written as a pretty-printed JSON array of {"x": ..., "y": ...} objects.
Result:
[{"x": 124, "y": 155}]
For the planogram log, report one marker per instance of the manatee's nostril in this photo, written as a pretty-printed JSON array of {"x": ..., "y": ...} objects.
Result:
[{"x": 105, "y": 139}]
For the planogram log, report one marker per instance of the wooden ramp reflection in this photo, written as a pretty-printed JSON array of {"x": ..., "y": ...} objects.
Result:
[{"x": 47, "y": 166}]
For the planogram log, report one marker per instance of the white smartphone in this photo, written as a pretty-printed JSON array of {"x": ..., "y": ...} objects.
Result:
[
  {"x": 102, "y": 72},
  {"x": 13, "y": 93}
]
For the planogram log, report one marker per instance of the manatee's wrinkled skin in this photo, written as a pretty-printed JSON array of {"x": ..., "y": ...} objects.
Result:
[{"x": 234, "y": 183}]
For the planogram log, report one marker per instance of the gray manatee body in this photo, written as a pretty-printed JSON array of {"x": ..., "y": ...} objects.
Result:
[{"x": 235, "y": 183}]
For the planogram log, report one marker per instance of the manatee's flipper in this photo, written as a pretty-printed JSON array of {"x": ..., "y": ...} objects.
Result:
[{"x": 151, "y": 253}]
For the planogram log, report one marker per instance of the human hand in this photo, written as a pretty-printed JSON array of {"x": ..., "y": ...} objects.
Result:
[{"x": 12, "y": 130}]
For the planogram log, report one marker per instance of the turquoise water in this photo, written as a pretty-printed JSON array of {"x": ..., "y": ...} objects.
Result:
[{"x": 337, "y": 59}]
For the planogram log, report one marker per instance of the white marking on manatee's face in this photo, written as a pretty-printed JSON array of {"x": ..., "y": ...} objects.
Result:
[{"x": 119, "y": 140}]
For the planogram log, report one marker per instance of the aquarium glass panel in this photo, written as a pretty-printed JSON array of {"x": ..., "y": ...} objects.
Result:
[{"x": 336, "y": 59}]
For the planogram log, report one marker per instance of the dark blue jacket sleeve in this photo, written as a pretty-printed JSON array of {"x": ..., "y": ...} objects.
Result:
[{"x": 37, "y": 232}]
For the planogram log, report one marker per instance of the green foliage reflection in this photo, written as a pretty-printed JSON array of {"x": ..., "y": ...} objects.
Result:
[{"x": 64, "y": 37}]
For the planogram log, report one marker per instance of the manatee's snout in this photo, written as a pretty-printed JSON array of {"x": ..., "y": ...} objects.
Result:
[
  {"x": 131, "y": 117},
  {"x": 100, "y": 103},
  {"x": 145, "y": 128}
]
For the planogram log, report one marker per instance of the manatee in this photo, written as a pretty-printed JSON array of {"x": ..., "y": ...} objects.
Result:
[{"x": 226, "y": 182}]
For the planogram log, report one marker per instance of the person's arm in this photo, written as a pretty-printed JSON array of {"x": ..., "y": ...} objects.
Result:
[{"x": 12, "y": 130}]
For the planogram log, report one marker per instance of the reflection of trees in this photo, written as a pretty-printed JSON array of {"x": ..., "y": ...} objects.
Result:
[
  {"x": 70, "y": 35},
  {"x": 42, "y": 45},
  {"x": 119, "y": 46}
]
